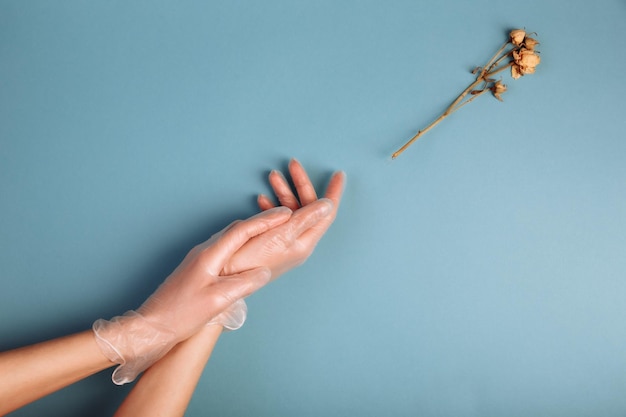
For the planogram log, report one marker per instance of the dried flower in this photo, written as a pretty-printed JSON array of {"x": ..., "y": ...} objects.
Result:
[
  {"x": 518, "y": 52},
  {"x": 524, "y": 62},
  {"x": 497, "y": 89},
  {"x": 530, "y": 43},
  {"x": 517, "y": 36},
  {"x": 526, "y": 58}
]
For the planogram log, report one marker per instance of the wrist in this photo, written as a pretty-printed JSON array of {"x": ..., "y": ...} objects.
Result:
[{"x": 133, "y": 342}]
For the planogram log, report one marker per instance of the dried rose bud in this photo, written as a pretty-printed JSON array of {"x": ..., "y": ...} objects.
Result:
[
  {"x": 517, "y": 36},
  {"x": 516, "y": 71},
  {"x": 524, "y": 62},
  {"x": 530, "y": 43},
  {"x": 497, "y": 89},
  {"x": 526, "y": 58}
]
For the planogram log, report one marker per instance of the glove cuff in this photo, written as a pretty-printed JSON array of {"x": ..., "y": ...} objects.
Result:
[
  {"x": 233, "y": 317},
  {"x": 132, "y": 342}
]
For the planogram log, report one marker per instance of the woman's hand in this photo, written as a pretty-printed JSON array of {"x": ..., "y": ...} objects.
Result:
[
  {"x": 291, "y": 243},
  {"x": 187, "y": 300}
]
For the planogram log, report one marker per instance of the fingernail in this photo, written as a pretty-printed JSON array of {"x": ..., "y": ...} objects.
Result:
[{"x": 280, "y": 174}]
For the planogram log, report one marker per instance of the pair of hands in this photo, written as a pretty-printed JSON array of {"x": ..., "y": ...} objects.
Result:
[{"x": 217, "y": 274}]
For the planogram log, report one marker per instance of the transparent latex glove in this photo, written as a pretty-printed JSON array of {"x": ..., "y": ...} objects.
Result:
[
  {"x": 188, "y": 299},
  {"x": 291, "y": 243},
  {"x": 233, "y": 317}
]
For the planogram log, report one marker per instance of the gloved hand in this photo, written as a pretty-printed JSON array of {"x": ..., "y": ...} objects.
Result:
[
  {"x": 188, "y": 299},
  {"x": 291, "y": 243}
]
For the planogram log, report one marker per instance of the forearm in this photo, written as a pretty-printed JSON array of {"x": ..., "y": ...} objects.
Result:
[
  {"x": 32, "y": 372},
  {"x": 165, "y": 388}
]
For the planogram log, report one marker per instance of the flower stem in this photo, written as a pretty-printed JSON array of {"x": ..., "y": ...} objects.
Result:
[
  {"x": 451, "y": 109},
  {"x": 497, "y": 70},
  {"x": 486, "y": 72},
  {"x": 480, "y": 93},
  {"x": 497, "y": 62},
  {"x": 493, "y": 58}
]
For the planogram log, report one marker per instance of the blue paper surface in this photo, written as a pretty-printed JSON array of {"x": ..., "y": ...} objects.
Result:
[{"x": 482, "y": 273}]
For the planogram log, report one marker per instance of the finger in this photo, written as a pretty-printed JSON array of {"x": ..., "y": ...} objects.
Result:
[
  {"x": 202, "y": 246},
  {"x": 334, "y": 193},
  {"x": 234, "y": 238},
  {"x": 335, "y": 188},
  {"x": 264, "y": 202},
  {"x": 283, "y": 191},
  {"x": 300, "y": 222},
  {"x": 304, "y": 188},
  {"x": 306, "y": 217},
  {"x": 221, "y": 233},
  {"x": 229, "y": 289}
]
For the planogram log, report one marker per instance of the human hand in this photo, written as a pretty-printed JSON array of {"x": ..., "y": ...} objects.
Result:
[
  {"x": 187, "y": 300},
  {"x": 291, "y": 243}
]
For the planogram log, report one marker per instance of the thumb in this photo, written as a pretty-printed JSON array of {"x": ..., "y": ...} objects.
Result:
[
  {"x": 240, "y": 232},
  {"x": 231, "y": 288},
  {"x": 308, "y": 216}
]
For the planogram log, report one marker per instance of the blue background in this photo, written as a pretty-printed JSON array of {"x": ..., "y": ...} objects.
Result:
[{"x": 482, "y": 273}]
